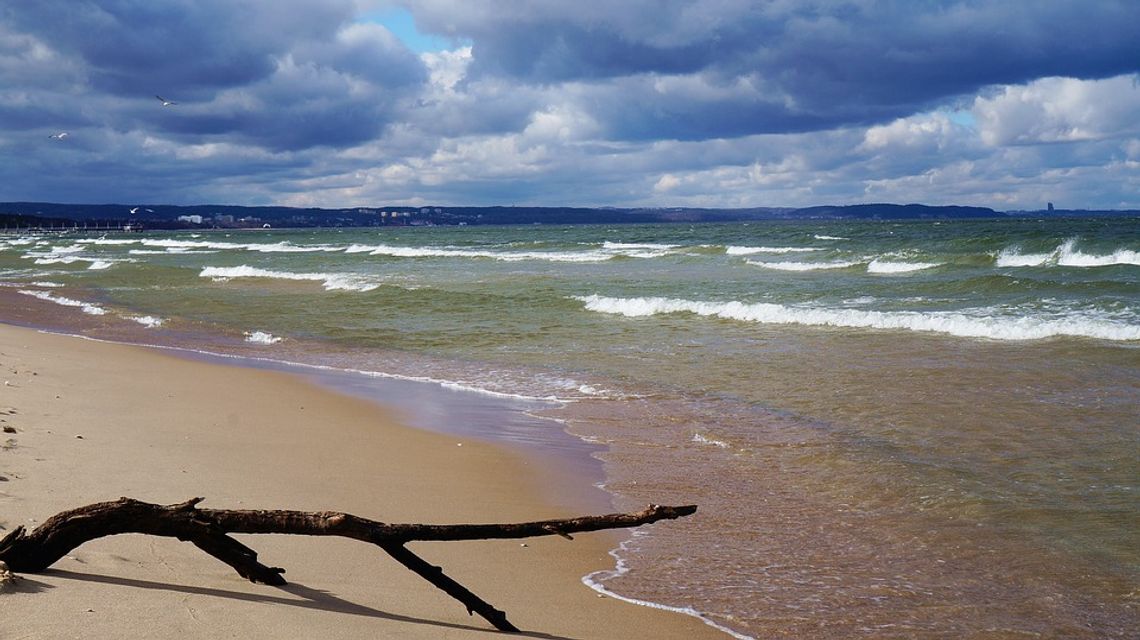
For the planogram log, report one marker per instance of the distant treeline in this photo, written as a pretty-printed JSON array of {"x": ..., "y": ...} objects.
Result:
[{"x": 33, "y": 214}]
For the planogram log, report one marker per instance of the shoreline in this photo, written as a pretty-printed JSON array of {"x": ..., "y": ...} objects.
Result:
[{"x": 284, "y": 442}]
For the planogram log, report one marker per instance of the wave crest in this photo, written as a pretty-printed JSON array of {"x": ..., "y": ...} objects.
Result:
[
  {"x": 747, "y": 251},
  {"x": 87, "y": 307},
  {"x": 801, "y": 266},
  {"x": 1065, "y": 255},
  {"x": 330, "y": 281},
  {"x": 978, "y": 323},
  {"x": 878, "y": 265}
]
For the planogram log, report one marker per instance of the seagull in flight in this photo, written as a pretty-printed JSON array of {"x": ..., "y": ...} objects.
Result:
[
  {"x": 58, "y": 136},
  {"x": 165, "y": 102}
]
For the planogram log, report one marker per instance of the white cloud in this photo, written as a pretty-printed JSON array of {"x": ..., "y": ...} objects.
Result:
[
  {"x": 564, "y": 124},
  {"x": 920, "y": 131},
  {"x": 640, "y": 103},
  {"x": 665, "y": 183},
  {"x": 1053, "y": 110},
  {"x": 446, "y": 68}
]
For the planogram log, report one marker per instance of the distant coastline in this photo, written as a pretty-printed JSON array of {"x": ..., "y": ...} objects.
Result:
[{"x": 56, "y": 215}]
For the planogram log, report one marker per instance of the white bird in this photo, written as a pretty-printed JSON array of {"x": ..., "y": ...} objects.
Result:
[
  {"x": 134, "y": 210},
  {"x": 165, "y": 102},
  {"x": 58, "y": 136}
]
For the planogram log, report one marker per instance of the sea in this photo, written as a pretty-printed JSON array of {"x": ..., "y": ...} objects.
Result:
[{"x": 892, "y": 429}]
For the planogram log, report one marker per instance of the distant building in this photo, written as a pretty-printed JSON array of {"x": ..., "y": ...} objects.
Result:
[
  {"x": 1050, "y": 205},
  {"x": 194, "y": 219}
]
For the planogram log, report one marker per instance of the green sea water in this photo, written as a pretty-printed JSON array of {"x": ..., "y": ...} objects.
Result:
[{"x": 893, "y": 429}]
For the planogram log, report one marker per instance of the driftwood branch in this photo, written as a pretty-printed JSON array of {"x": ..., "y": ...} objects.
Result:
[{"x": 208, "y": 530}]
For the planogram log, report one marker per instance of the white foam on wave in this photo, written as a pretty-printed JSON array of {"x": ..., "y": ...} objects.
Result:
[
  {"x": 483, "y": 391},
  {"x": 823, "y": 237},
  {"x": 87, "y": 307},
  {"x": 1069, "y": 256},
  {"x": 1066, "y": 255},
  {"x": 801, "y": 266},
  {"x": 747, "y": 251},
  {"x": 1012, "y": 257},
  {"x": 597, "y": 579},
  {"x": 96, "y": 263},
  {"x": 700, "y": 438},
  {"x": 44, "y": 260},
  {"x": 74, "y": 248},
  {"x": 108, "y": 241},
  {"x": 590, "y": 390},
  {"x": 451, "y": 385},
  {"x": 172, "y": 251},
  {"x": 360, "y": 248},
  {"x": 503, "y": 256},
  {"x": 976, "y": 323},
  {"x": 878, "y": 265},
  {"x": 626, "y": 246},
  {"x": 330, "y": 281},
  {"x": 276, "y": 247},
  {"x": 261, "y": 337},
  {"x": 150, "y": 322}
]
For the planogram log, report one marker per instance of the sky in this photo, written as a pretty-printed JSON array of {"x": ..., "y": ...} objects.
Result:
[{"x": 628, "y": 103}]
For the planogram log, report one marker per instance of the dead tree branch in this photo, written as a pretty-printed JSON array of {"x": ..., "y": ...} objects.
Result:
[{"x": 208, "y": 530}]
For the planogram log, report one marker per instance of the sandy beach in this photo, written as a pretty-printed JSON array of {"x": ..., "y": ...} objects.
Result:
[{"x": 87, "y": 421}]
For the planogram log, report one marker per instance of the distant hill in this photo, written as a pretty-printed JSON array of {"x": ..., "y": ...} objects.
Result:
[
  {"x": 24, "y": 214},
  {"x": 894, "y": 211}
]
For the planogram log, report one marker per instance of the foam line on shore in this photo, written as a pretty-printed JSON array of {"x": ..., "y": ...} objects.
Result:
[{"x": 595, "y": 580}]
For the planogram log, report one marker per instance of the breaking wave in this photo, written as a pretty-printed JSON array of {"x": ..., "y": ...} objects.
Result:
[
  {"x": 747, "y": 251},
  {"x": 150, "y": 322},
  {"x": 87, "y": 307},
  {"x": 330, "y": 281},
  {"x": 275, "y": 247},
  {"x": 622, "y": 246},
  {"x": 977, "y": 323},
  {"x": 107, "y": 241},
  {"x": 261, "y": 337},
  {"x": 801, "y": 266},
  {"x": 504, "y": 256},
  {"x": 1065, "y": 255},
  {"x": 879, "y": 265}
]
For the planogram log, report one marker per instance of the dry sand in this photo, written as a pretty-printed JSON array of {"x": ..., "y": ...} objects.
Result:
[{"x": 96, "y": 421}]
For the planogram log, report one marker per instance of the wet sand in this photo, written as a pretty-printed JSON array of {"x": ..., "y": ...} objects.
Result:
[{"x": 94, "y": 421}]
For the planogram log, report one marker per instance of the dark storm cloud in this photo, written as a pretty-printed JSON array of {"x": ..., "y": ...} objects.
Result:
[
  {"x": 283, "y": 74},
  {"x": 816, "y": 65},
  {"x": 131, "y": 47},
  {"x": 635, "y": 102}
]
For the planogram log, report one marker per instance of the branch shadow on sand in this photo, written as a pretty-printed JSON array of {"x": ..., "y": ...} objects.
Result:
[
  {"x": 310, "y": 598},
  {"x": 24, "y": 584}
]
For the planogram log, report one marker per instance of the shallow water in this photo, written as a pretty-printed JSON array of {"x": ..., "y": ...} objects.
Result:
[{"x": 919, "y": 429}]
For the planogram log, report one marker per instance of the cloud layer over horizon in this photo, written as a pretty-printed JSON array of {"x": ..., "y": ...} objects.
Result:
[{"x": 715, "y": 103}]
